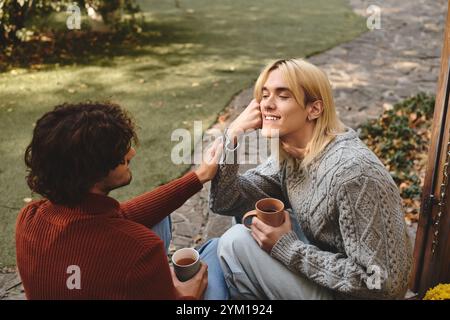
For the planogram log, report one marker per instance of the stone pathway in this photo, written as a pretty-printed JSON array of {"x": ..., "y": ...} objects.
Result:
[
  {"x": 368, "y": 74},
  {"x": 372, "y": 72}
]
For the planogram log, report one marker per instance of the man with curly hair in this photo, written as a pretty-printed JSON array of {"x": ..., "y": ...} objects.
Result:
[{"x": 78, "y": 154}]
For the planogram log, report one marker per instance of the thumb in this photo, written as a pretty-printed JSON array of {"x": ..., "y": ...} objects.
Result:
[
  {"x": 215, "y": 145},
  {"x": 287, "y": 218},
  {"x": 217, "y": 153},
  {"x": 214, "y": 151},
  {"x": 174, "y": 276},
  {"x": 202, "y": 272},
  {"x": 212, "y": 148}
]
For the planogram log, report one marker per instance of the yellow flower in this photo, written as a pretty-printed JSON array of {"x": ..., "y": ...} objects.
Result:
[{"x": 440, "y": 292}]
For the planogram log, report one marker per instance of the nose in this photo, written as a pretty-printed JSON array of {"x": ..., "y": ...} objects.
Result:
[
  {"x": 131, "y": 153},
  {"x": 268, "y": 104}
]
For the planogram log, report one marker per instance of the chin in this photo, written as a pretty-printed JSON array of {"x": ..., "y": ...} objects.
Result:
[
  {"x": 129, "y": 180},
  {"x": 268, "y": 132}
]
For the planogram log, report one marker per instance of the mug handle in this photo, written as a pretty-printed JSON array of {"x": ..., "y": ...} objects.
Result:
[{"x": 248, "y": 214}]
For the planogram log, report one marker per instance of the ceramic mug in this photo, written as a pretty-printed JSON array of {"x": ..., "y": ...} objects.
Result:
[
  {"x": 268, "y": 210},
  {"x": 186, "y": 263}
]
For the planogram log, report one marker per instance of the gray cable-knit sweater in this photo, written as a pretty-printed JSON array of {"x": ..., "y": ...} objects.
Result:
[{"x": 348, "y": 207}]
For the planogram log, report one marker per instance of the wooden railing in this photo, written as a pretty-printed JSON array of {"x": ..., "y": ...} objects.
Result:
[{"x": 432, "y": 246}]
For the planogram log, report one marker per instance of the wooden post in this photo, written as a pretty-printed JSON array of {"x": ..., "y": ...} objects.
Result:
[{"x": 432, "y": 247}]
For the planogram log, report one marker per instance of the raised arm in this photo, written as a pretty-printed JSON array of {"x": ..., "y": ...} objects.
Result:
[
  {"x": 234, "y": 194},
  {"x": 153, "y": 206}
]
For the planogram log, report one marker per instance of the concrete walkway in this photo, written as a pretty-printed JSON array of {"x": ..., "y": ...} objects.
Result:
[{"x": 369, "y": 73}]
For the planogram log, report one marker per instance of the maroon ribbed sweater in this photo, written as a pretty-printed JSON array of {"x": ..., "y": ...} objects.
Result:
[{"x": 118, "y": 255}]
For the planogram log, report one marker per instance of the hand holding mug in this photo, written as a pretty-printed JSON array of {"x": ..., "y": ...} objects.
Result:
[
  {"x": 267, "y": 236},
  {"x": 270, "y": 222},
  {"x": 194, "y": 287},
  {"x": 189, "y": 274}
]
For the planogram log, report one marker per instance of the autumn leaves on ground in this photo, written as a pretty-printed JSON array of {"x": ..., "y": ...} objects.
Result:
[{"x": 400, "y": 138}]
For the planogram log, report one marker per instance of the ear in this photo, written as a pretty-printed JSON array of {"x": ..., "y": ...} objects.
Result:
[{"x": 315, "y": 110}]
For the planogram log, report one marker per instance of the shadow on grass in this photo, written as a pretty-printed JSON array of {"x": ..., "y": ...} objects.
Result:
[
  {"x": 94, "y": 48},
  {"x": 182, "y": 67}
]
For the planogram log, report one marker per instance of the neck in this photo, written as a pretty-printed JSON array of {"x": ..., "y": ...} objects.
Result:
[{"x": 301, "y": 137}]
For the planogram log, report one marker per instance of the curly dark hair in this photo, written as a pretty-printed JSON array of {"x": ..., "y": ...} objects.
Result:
[{"x": 76, "y": 145}]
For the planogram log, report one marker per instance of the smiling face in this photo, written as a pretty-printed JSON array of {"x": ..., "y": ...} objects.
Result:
[{"x": 280, "y": 110}]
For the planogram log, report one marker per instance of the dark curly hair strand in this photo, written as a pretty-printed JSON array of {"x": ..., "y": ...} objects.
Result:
[{"x": 76, "y": 145}]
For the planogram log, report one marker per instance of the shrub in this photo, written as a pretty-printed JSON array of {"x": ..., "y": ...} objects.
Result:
[
  {"x": 14, "y": 14},
  {"x": 400, "y": 138}
]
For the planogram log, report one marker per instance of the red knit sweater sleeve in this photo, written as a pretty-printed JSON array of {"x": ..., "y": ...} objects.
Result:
[
  {"x": 150, "y": 277},
  {"x": 151, "y": 207}
]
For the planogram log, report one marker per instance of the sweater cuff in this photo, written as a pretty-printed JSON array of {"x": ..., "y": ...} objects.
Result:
[
  {"x": 193, "y": 180},
  {"x": 282, "y": 250},
  {"x": 229, "y": 155}
]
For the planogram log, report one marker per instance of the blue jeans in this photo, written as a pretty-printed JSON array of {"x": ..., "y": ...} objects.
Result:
[
  {"x": 217, "y": 288},
  {"x": 251, "y": 273}
]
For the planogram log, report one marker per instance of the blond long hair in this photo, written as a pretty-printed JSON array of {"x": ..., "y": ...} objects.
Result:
[{"x": 308, "y": 84}]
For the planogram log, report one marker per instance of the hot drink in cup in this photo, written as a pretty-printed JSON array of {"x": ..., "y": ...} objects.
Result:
[
  {"x": 268, "y": 210},
  {"x": 186, "y": 263}
]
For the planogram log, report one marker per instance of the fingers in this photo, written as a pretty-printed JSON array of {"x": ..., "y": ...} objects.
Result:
[
  {"x": 261, "y": 226},
  {"x": 287, "y": 217},
  {"x": 217, "y": 153},
  {"x": 174, "y": 276},
  {"x": 287, "y": 225},
  {"x": 256, "y": 234},
  {"x": 249, "y": 119},
  {"x": 214, "y": 152},
  {"x": 254, "y": 104},
  {"x": 202, "y": 277},
  {"x": 203, "y": 272},
  {"x": 255, "y": 108},
  {"x": 216, "y": 143}
]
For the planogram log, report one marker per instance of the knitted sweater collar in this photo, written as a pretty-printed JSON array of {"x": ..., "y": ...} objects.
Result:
[
  {"x": 349, "y": 134},
  {"x": 93, "y": 204}
]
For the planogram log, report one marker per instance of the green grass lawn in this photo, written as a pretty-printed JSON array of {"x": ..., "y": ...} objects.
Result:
[{"x": 191, "y": 64}]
